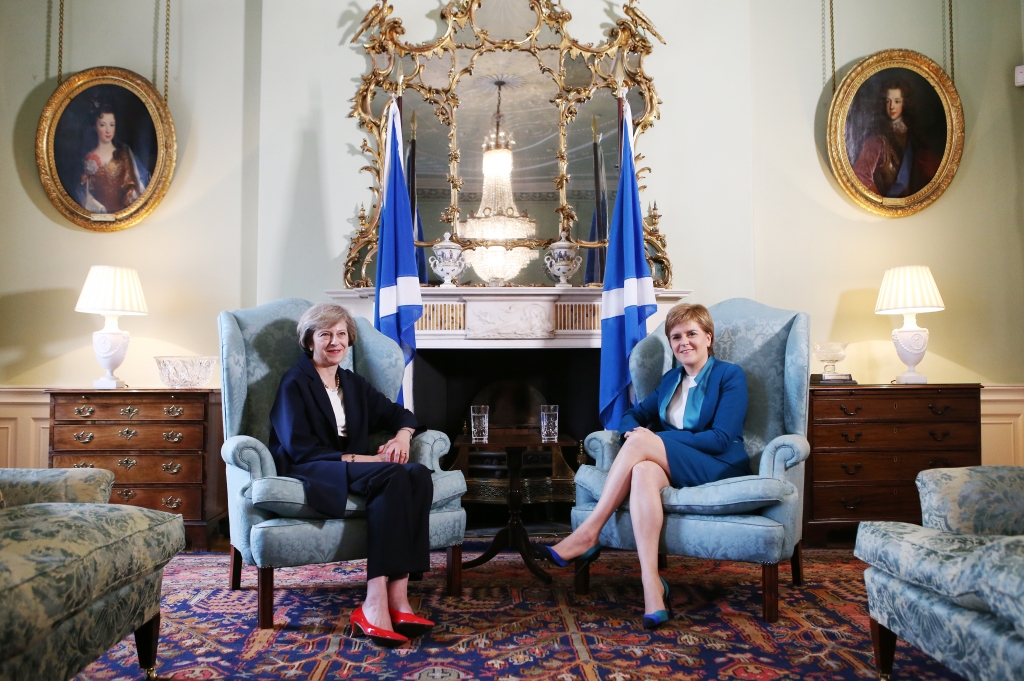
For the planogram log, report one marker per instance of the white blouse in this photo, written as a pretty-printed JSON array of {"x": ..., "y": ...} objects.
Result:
[
  {"x": 677, "y": 407},
  {"x": 337, "y": 402}
]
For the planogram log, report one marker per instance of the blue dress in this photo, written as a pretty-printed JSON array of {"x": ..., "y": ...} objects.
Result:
[{"x": 709, "y": 447}]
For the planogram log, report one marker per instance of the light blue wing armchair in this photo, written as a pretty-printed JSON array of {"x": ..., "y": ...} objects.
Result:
[
  {"x": 754, "y": 518},
  {"x": 271, "y": 524}
]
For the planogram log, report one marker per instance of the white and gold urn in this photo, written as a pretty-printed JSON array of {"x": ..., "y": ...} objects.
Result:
[
  {"x": 562, "y": 261},
  {"x": 448, "y": 262}
]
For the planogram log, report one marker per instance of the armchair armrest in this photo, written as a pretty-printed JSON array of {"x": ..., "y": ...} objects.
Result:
[
  {"x": 249, "y": 454},
  {"x": 603, "y": 446},
  {"x": 975, "y": 500},
  {"x": 20, "y": 486},
  {"x": 428, "y": 447},
  {"x": 783, "y": 453}
]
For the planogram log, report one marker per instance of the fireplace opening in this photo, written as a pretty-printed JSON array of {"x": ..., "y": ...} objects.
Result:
[{"x": 514, "y": 381}]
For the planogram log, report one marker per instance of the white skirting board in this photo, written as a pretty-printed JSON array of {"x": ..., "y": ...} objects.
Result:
[{"x": 25, "y": 426}]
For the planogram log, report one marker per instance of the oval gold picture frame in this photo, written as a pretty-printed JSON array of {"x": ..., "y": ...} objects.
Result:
[
  {"x": 64, "y": 169},
  {"x": 856, "y": 123}
]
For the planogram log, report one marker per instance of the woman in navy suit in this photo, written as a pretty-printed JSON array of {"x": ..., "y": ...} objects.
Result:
[
  {"x": 687, "y": 432},
  {"x": 320, "y": 426}
]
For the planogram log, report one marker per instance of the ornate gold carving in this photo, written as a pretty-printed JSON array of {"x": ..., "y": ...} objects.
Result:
[
  {"x": 382, "y": 33},
  {"x": 842, "y": 165},
  {"x": 166, "y": 145}
]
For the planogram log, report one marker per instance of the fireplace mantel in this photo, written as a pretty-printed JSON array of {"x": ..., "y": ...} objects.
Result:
[{"x": 507, "y": 316}]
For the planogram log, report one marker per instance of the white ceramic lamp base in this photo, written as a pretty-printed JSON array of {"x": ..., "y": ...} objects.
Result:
[
  {"x": 911, "y": 342},
  {"x": 110, "y": 346}
]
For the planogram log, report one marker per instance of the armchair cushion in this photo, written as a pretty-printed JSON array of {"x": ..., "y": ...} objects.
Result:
[
  {"x": 286, "y": 497},
  {"x": 974, "y": 500},
  {"x": 723, "y": 497},
  {"x": 1002, "y": 588},
  {"x": 58, "y": 559},
  {"x": 20, "y": 486},
  {"x": 944, "y": 563}
]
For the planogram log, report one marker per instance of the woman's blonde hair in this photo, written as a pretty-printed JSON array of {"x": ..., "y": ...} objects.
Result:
[
  {"x": 323, "y": 316},
  {"x": 687, "y": 312}
]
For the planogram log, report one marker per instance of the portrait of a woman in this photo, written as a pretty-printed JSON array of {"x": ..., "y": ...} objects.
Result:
[
  {"x": 688, "y": 432},
  {"x": 321, "y": 421},
  {"x": 894, "y": 160},
  {"x": 112, "y": 178}
]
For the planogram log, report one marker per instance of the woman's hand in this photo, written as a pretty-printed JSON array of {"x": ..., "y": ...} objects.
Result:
[
  {"x": 640, "y": 433},
  {"x": 396, "y": 450}
]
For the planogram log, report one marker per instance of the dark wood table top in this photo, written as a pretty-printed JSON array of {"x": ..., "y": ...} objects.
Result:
[{"x": 515, "y": 440}]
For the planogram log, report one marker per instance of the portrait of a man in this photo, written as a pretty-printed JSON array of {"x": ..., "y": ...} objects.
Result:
[{"x": 896, "y": 133}]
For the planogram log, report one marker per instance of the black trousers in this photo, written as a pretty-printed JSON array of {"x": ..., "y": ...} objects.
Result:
[{"x": 398, "y": 498}]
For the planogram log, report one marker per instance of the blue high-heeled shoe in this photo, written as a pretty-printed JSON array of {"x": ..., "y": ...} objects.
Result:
[
  {"x": 656, "y": 619},
  {"x": 547, "y": 553}
]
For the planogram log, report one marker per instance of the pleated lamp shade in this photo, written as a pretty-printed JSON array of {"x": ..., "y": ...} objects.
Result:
[
  {"x": 112, "y": 291},
  {"x": 909, "y": 289}
]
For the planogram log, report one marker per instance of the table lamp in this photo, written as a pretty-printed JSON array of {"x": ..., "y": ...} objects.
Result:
[
  {"x": 111, "y": 292},
  {"x": 909, "y": 291}
]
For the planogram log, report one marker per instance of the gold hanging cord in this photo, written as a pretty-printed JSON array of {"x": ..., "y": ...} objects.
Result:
[
  {"x": 167, "y": 46},
  {"x": 832, "y": 42}
]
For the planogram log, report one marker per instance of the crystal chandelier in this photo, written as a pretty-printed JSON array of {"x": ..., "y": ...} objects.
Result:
[{"x": 497, "y": 219}]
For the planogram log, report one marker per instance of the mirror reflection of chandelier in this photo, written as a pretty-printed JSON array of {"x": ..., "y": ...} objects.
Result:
[{"x": 498, "y": 219}]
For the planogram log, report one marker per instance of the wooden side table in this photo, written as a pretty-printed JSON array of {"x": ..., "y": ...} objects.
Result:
[
  {"x": 869, "y": 442},
  {"x": 163, "y": 447},
  {"x": 514, "y": 534}
]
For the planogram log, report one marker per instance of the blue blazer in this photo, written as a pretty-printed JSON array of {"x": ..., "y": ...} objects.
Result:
[
  {"x": 719, "y": 428},
  {"x": 304, "y": 433}
]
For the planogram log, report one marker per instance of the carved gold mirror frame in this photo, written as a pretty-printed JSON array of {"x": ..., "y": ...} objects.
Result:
[
  {"x": 462, "y": 35},
  {"x": 864, "y": 147}
]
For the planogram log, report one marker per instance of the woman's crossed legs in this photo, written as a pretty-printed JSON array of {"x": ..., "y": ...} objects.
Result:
[{"x": 639, "y": 471}]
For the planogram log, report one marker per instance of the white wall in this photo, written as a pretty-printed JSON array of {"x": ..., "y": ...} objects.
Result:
[{"x": 268, "y": 184}]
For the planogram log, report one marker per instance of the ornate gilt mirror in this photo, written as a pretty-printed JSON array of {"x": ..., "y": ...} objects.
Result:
[{"x": 506, "y": 77}]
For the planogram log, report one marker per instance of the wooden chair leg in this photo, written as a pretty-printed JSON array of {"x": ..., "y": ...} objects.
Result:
[
  {"x": 236, "y": 569},
  {"x": 265, "y": 597},
  {"x": 662, "y": 561},
  {"x": 797, "y": 564},
  {"x": 453, "y": 572},
  {"x": 770, "y": 591},
  {"x": 884, "y": 642},
  {"x": 147, "y": 638},
  {"x": 581, "y": 582}
]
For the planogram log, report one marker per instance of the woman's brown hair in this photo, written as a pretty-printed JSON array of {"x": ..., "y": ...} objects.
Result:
[
  {"x": 323, "y": 316},
  {"x": 689, "y": 312}
]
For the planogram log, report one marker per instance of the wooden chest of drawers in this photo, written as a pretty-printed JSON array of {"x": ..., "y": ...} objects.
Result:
[
  {"x": 162, "y": 445},
  {"x": 869, "y": 442}
]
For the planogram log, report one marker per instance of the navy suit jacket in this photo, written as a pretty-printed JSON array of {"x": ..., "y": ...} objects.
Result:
[
  {"x": 719, "y": 429},
  {"x": 304, "y": 433}
]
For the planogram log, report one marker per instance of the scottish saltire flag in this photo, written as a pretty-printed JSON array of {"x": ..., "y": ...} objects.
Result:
[
  {"x": 628, "y": 298},
  {"x": 398, "y": 285},
  {"x": 594, "y": 273}
]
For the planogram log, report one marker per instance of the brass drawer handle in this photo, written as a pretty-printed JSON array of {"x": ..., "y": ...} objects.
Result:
[
  {"x": 127, "y": 463},
  {"x": 939, "y": 437},
  {"x": 846, "y": 436},
  {"x": 850, "y": 413},
  {"x": 129, "y": 411},
  {"x": 172, "y": 468},
  {"x": 126, "y": 494},
  {"x": 171, "y": 502},
  {"x": 84, "y": 412},
  {"x": 127, "y": 433},
  {"x": 83, "y": 437},
  {"x": 173, "y": 437},
  {"x": 173, "y": 411},
  {"x": 856, "y": 467},
  {"x": 937, "y": 411},
  {"x": 82, "y": 465},
  {"x": 852, "y": 505}
]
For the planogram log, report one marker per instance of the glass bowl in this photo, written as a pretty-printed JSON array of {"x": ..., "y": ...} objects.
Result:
[{"x": 188, "y": 371}]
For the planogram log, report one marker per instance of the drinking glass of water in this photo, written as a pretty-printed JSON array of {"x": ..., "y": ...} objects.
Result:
[
  {"x": 549, "y": 423},
  {"x": 478, "y": 422}
]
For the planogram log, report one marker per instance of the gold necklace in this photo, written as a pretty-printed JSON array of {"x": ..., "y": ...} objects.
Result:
[{"x": 337, "y": 381}]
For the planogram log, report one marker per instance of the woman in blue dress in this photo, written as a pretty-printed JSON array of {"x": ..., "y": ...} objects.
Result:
[{"x": 688, "y": 432}]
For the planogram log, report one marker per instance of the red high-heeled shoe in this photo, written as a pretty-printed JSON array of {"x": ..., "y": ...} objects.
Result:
[
  {"x": 382, "y": 637},
  {"x": 409, "y": 624}
]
